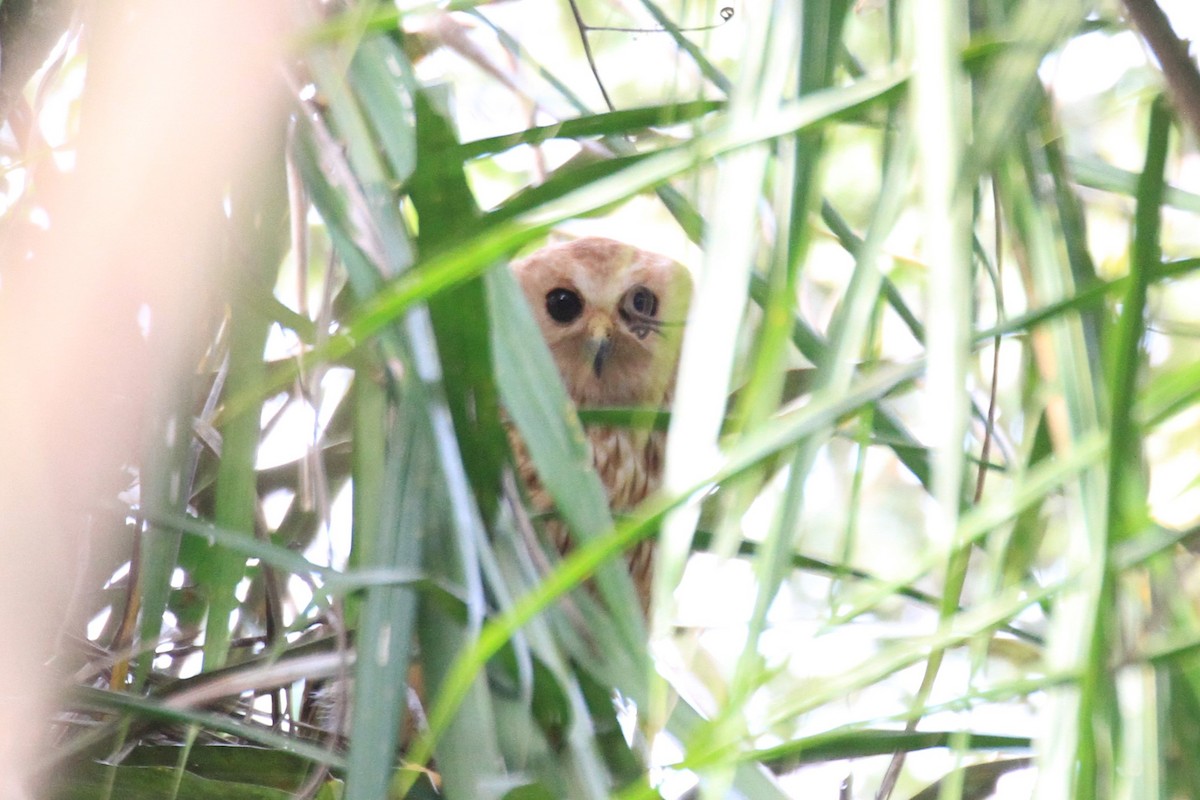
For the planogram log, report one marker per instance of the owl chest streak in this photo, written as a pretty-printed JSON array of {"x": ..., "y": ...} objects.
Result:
[{"x": 629, "y": 463}]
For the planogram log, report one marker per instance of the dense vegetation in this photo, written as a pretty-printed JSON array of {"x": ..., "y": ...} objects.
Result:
[{"x": 931, "y": 491}]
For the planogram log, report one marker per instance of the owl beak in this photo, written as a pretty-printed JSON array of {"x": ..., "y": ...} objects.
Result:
[
  {"x": 599, "y": 345},
  {"x": 603, "y": 349}
]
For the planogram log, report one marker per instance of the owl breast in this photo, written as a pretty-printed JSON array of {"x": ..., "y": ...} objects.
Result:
[{"x": 629, "y": 463}]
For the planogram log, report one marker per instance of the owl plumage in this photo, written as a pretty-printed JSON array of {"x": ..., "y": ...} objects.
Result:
[{"x": 612, "y": 315}]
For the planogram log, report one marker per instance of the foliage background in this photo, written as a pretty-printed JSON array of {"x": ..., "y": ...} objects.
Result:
[{"x": 931, "y": 487}]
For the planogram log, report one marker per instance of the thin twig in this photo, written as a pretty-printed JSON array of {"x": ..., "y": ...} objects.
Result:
[
  {"x": 1183, "y": 79},
  {"x": 587, "y": 51},
  {"x": 892, "y": 774},
  {"x": 726, "y": 15},
  {"x": 986, "y": 449}
]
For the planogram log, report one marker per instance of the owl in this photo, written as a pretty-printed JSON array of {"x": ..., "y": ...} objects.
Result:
[{"x": 612, "y": 315}]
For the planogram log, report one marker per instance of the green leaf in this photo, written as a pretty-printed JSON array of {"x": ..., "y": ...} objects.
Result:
[
  {"x": 386, "y": 642},
  {"x": 447, "y": 212}
]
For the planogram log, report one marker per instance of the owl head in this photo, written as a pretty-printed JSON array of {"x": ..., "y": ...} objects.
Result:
[{"x": 612, "y": 315}]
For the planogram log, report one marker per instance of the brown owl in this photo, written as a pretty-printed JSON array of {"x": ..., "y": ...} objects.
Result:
[{"x": 613, "y": 317}]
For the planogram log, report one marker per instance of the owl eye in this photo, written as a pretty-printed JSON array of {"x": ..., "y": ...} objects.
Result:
[
  {"x": 641, "y": 302},
  {"x": 644, "y": 302},
  {"x": 563, "y": 305}
]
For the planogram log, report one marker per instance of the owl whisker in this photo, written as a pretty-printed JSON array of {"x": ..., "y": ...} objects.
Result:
[
  {"x": 642, "y": 330},
  {"x": 633, "y": 318},
  {"x": 642, "y": 326}
]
